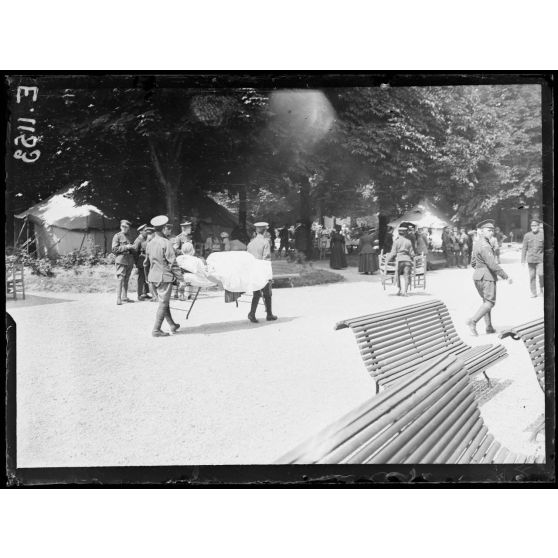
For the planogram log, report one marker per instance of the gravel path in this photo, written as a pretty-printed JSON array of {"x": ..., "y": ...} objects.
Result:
[{"x": 94, "y": 388}]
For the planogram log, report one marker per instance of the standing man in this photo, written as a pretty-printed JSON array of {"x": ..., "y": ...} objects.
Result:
[
  {"x": 139, "y": 249},
  {"x": 447, "y": 246},
  {"x": 163, "y": 274},
  {"x": 259, "y": 248},
  {"x": 403, "y": 253},
  {"x": 123, "y": 249},
  {"x": 284, "y": 240},
  {"x": 487, "y": 270},
  {"x": 183, "y": 243},
  {"x": 533, "y": 253},
  {"x": 301, "y": 242},
  {"x": 183, "y": 246},
  {"x": 463, "y": 248},
  {"x": 150, "y": 233}
]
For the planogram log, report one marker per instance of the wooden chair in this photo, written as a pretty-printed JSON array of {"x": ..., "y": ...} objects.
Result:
[
  {"x": 396, "y": 342},
  {"x": 418, "y": 273},
  {"x": 429, "y": 417},
  {"x": 387, "y": 270},
  {"x": 532, "y": 335},
  {"x": 15, "y": 280}
]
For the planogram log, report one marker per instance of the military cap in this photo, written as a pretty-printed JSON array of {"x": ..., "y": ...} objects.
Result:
[
  {"x": 535, "y": 221},
  {"x": 488, "y": 224},
  {"x": 125, "y": 222},
  {"x": 402, "y": 228},
  {"x": 186, "y": 224},
  {"x": 141, "y": 227},
  {"x": 224, "y": 235},
  {"x": 149, "y": 229},
  {"x": 159, "y": 221},
  {"x": 261, "y": 224}
]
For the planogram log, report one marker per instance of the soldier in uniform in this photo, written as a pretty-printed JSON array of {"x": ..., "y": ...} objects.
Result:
[
  {"x": 163, "y": 274},
  {"x": 487, "y": 270},
  {"x": 183, "y": 242},
  {"x": 532, "y": 253},
  {"x": 150, "y": 233},
  {"x": 123, "y": 249},
  {"x": 139, "y": 251},
  {"x": 260, "y": 249},
  {"x": 402, "y": 251},
  {"x": 183, "y": 245}
]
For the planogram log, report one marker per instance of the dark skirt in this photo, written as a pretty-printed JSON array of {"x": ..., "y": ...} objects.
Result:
[
  {"x": 338, "y": 259},
  {"x": 368, "y": 263}
]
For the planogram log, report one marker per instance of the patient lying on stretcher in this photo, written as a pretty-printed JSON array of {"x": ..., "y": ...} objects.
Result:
[{"x": 236, "y": 272}]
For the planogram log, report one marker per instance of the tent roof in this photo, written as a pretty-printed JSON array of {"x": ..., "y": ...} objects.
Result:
[
  {"x": 209, "y": 211},
  {"x": 61, "y": 211},
  {"x": 423, "y": 214}
]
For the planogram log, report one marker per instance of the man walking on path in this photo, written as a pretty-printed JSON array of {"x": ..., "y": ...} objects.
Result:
[
  {"x": 533, "y": 253},
  {"x": 139, "y": 250},
  {"x": 163, "y": 273},
  {"x": 403, "y": 253},
  {"x": 487, "y": 270},
  {"x": 123, "y": 249},
  {"x": 260, "y": 249}
]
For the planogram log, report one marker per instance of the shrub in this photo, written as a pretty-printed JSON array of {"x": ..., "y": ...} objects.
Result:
[{"x": 85, "y": 257}]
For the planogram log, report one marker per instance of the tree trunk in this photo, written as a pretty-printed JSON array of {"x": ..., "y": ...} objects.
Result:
[
  {"x": 242, "y": 206},
  {"x": 168, "y": 169}
]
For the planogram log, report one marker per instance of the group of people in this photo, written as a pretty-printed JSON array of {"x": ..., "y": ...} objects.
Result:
[{"x": 154, "y": 254}]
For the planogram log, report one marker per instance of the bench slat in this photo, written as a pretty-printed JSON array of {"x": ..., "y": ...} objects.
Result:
[
  {"x": 473, "y": 446},
  {"x": 419, "y": 432}
]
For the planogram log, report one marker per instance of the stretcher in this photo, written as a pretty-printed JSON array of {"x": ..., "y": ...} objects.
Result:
[{"x": 236, "y": 272}]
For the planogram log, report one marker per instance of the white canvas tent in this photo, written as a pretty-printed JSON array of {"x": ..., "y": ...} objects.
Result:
[
  {"x": 60, "y": 226},
  {"x": 424, "y": 214}
]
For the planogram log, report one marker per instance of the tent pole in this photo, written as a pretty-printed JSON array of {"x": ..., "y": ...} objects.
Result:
[{"x": 27, "y": 237}]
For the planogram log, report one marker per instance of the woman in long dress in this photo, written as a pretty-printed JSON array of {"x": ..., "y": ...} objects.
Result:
[
  {"x": 368, "y": 252},
  {"x": 337, "y": 259}
]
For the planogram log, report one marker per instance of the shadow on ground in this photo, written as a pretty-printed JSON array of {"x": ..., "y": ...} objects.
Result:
[
  {"x": 485, "y": 392},
  {"x": 33, "y": 300},
  {"x": 236, "y": 325}
]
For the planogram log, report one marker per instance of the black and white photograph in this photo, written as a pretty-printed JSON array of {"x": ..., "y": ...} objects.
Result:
[{"x": 273, "y": 269}]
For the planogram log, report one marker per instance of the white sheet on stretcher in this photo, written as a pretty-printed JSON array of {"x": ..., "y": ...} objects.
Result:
[{"x": 237, "y": 272}]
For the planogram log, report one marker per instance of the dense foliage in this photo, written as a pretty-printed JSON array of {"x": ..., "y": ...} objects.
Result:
[{"x": 281, "y": 155}]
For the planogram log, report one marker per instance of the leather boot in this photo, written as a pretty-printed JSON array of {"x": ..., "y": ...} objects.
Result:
[
  {"x": 160, "y": 316},
  {"x": 270, "y": 317},
  {"x": 254, "y": 307},
  {"x": 119, "y": 292}
]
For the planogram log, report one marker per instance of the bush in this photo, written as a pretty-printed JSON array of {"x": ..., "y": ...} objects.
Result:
[
  {"x": 39, "y": 266},
  {"x": 85, "y": 257}
]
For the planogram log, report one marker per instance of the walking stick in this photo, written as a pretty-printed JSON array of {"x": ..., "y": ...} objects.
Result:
[{"x": 193, "y": 302}]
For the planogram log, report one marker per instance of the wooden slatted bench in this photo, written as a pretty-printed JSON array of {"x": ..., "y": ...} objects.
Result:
[
  {"x": 396, "y": 342},
  {"x": 431, "y": 416},
  {"x": 283, "y": 271},
  {"x": 532, "y": 335}
]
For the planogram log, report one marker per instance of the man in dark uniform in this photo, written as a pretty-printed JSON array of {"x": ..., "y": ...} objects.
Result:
[
  {"x": 487, "y": 270},
  {"x": 123, "y": 249},
  {"x": 260, "y": 249},
  {"x": 403, "y": 253},
  {"x": 183, "y": 245},
  {"x": 532, "y": 253},
  {"x": 150, "y": 233},
  {"x": 139, "y": 252},
  {"x": 183, "y": 242},
  {"x": 447, "y": 246},
  {"x": 163, "y": 273},
  {"x": 284, "y": 240}
]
